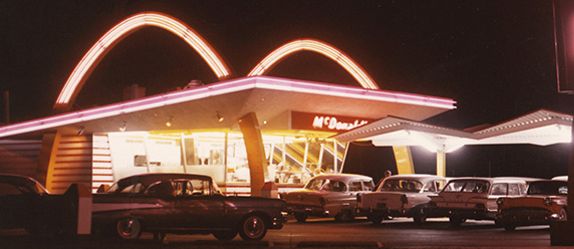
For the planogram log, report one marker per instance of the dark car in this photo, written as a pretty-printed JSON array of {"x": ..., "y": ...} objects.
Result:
[
  {"x": 25, "y": 203},
  {"x": 182, "y": 204}
]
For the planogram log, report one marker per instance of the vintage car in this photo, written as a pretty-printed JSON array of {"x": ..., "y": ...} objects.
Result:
[
  {"x": 474, "y": 198},
  {"x": 400, "y": 196},
  {"x": 182, "y": 204},
  {"x": 545, "y": 202},
  {"x": 328, "y": 195},
  {"x": 25, "y": 203}
]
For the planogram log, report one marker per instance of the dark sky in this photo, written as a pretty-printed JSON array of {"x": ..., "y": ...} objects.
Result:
[{"x": 496, "y": 58}]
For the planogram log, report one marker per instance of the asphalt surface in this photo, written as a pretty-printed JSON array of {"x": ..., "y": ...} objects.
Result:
[{"x": 325, "y": 233}]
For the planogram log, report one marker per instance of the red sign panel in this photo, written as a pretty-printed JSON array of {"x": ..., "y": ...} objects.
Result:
[{"x": 325, "y": 122}]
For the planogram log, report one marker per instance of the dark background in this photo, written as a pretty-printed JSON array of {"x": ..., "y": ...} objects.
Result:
[{"x": 495, "y": 58}]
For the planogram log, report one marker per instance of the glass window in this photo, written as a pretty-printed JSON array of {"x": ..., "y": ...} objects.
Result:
[
  {"x": 368, "y": 186},
  {"x": 513, "y": 189},
  {"x": 548, "y": 188},
  {"x": 315, "y": 184},
  {"x": 402, "y": 185},
  {"x": 335, "y": 186},
  {"x": 162, "y": 189},
  {"x": 355, "y": 186},
  {"x": 475, "y": 187},
  {"x": 499, "y": 189},
  {"x": 133, "y": 189},
  {"x": 430, "y": 187}
]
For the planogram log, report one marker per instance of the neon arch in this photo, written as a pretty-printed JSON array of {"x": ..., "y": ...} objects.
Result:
[
  {"x": 123, "y": 29},
  {"x": 319, "y": 47}
]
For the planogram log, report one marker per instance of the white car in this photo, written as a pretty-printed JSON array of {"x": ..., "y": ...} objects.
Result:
[
  {"x": 475, "y": 198},
  {"x": 328, "y": 195},
  {"x": 400, "y": 196}
]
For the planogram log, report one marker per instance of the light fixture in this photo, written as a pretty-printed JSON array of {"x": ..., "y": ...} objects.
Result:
[
  {"x": 81, "y": 130},
  {"x": 123, "y": 126},
  {"x": 168, "y": 123},
  {"x": 264, "y": 122},
  {"x": 220, "y": 117}
]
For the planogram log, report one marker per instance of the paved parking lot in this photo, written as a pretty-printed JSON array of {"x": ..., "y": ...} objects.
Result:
[{"x": 326, "y": 233}]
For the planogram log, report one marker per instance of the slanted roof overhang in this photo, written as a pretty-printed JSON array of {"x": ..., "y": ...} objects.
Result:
[
  {"x": 269, "y": 97},
  {"x": 542, "y": 127}
]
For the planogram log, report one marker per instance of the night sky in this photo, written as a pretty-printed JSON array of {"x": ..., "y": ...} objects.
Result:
[{"x": 495, "y": 58}]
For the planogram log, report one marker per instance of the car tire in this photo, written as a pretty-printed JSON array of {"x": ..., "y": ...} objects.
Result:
[
  {"x": 375, "y": 219},
  {"x": 419, "y": 218},
  {"x": 253, "y": 227},
  {"x": 300, "y": 217},
  {"x": 455, "y": 221},
  {"x": 344, "y": 216},
  {"x": 225, "y": 235},
  {"x": 509, "y": 227},
  {"x": 128, "y": 228}
]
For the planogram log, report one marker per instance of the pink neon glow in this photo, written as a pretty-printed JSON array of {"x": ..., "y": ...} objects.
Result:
[
  {"x": 123, "y": 29},
  {"x": 319, "y": 47},
  {"x": 219, "y": 89}
]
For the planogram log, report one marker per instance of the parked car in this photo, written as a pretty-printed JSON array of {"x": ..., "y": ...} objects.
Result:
[
  {"x": 25, "y": 203},
  {"x": 182, "y": 204},
  {"x": 474, "y": 197},
  {"x": 328, "y": 195},
  {"x": 545, "y": 202},
  {"x": 401, "y": 196}
]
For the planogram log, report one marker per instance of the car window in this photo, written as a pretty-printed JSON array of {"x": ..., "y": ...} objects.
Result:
[
  {"x": 199, "y": 187},
  {"x": 315, "y": 184},
  {"x": 335, "y": 186},
  {"x": 368, "y": 186},
  {"x": 355, "y": 186},
  {"x": 161, "y": 189},
  {"x": 467, "y": 186},
  {"x": 402, "y": 185},
  {"x": 430, "y": 187},
  {"x": 133, "y": 189},
  {"x": 10, "y": 189},
  {"x": 499, "y": 189},
  {"x": 513, "y": 189},
  {"x": 454, "y": 186},
  {"x": 548, "y": 188}
]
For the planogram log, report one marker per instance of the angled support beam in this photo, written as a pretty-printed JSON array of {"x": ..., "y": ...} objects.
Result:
[
  {"x": 404, "y": 160},
  {"x": 253, "y": 140}
]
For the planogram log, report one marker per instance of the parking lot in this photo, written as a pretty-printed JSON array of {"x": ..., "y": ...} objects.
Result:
[{"x": 326, "y": 233}]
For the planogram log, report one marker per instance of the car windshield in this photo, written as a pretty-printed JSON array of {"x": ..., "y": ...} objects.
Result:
[
  {"x": 402, "y": 185},
  {"x": 548, "y": 188},
  {"x": 326, "y": 185},
  {"x": 468, "y": 186}
]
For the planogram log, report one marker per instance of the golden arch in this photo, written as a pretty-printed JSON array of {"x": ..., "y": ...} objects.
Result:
[
  {"x": 123, "y": 29},
  {"x": 319, "y": 47}
]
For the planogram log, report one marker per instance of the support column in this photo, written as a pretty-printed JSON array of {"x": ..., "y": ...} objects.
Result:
[
  {"x": 255, "y": 151},
  {"x": 441, "y": 163},
  {"x": 404, "y": 160}
]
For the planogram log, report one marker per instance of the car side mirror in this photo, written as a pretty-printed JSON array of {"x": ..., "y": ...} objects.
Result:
[{"x": 103, "y": 188}]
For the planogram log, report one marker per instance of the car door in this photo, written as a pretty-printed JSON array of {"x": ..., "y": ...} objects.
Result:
[
  {"x": 156, "y": 205},
  {"x": 197, "y": 207}
]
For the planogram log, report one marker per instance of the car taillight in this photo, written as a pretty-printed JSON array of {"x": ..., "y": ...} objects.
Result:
[
  {"x": 404, "y": 199},
  {"x": 322, "y": 201}
]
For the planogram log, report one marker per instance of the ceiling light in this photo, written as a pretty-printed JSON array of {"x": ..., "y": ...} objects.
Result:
[
  {"x": 220, "y": 117},
  {"x": 123, "y": 126}
]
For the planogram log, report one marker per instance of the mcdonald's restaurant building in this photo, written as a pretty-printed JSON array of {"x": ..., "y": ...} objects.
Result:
[{"x": 242, "y": 132}]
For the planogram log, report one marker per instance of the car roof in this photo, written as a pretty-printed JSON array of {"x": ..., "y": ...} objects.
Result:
[
  {"x": 504, "y": 179},
  {"x": 420, "y": 177},
  {"x": 150, "y": 178},
  {"x": 343, "y": 177},
  {"x": 560, "y": 178}
]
